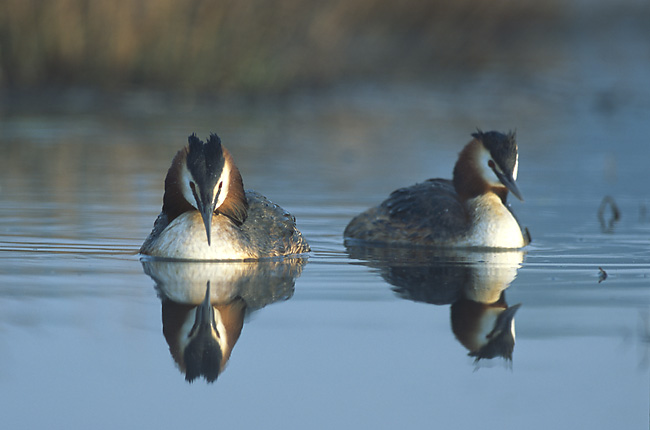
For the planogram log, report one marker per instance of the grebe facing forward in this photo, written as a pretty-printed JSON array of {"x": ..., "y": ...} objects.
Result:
[
  {"x": 204, "y": 195},
  {"x": 468, "y": 211}
]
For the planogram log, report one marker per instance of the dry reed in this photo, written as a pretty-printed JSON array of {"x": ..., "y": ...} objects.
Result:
[{"x": 253, "y": 45}]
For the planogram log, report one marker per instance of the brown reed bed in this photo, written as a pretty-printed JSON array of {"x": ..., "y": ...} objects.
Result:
[{"x": 255, "y": 45}]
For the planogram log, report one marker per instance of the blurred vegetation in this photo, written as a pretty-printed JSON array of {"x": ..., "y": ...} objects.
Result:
[{"x": 256, "y": 45}]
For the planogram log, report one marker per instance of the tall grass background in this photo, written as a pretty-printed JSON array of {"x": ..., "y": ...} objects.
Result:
[{"x": 253, "y": 46}]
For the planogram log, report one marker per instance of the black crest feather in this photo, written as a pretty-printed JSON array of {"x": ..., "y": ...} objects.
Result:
[
  {"x": 205, "y": 160},
  {"x": 502, "y": 147}
]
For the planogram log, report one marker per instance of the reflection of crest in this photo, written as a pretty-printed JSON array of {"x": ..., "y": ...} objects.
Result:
[
  {"x": 204, "y": 304},
  {"x": 473, "y": 282}
]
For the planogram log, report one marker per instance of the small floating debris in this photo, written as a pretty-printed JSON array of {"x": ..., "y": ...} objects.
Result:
[
  {"x": 602, "y": 275},
  {"x": 607, "y": 225}
]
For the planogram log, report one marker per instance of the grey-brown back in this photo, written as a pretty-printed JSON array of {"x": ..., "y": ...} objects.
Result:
[{"x": 427, "y": 213}]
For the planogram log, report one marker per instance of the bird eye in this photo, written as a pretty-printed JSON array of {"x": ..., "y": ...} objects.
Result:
[
  {"x": 196, "y": 196},
  {"x": 491, "y": 164}
]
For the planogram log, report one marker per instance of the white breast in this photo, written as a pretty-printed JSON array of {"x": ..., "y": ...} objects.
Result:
[
  {"x": 493, "y": 225},
  {"x": 184, "y": 238}
]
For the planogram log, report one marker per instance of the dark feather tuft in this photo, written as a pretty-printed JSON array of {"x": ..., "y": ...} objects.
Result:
[
  {"x": 202, "y": 358},
  {"x": 502, "y": 147},
  {"x": 205, "y": 160}
]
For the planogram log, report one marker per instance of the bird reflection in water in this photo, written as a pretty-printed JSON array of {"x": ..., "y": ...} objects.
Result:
[
  {"x": 204, "y": 305},
  {"x": 473, "y": 282}
]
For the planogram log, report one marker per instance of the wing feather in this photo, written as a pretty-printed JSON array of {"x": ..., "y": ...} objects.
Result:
[{"x": 427, "y": 213}]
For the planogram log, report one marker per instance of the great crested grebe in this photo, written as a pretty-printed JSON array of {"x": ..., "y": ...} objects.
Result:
[
  {"x": 204, "y": 195},
  {"x": 470, "y": 210}
]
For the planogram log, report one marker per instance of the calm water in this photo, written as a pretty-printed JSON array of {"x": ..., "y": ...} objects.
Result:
[{"x": 350, "y": 338}]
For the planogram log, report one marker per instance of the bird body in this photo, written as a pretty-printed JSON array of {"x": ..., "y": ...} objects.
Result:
[
  {"x": 470, "y": 210},
  {"x": 207, "y": 215}
]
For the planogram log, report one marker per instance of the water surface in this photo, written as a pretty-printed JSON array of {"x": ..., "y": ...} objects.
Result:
[{"x": 348, "y": 337}]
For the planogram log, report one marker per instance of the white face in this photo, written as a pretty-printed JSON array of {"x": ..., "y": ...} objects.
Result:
[
  {"x": 223, "y": 182},
  {"x": 486, "y": 165},
  {"x": 486, "y": 162},
  {"x": 186, "y": 179}
]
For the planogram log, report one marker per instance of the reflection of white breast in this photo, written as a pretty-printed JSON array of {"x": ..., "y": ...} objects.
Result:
[
  {"x": 492, "y": 272},
  {"x": 493, "y": 225},
  {"x": 258, "y": 283}
]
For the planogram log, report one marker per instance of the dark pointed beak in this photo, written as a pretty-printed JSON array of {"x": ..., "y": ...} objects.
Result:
[
  {"x": 206, "y": 214},
  {"x": 204, "y": 314},
  {"x": 206, "y": 209},
  {"x": 509, "y": 182}
]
